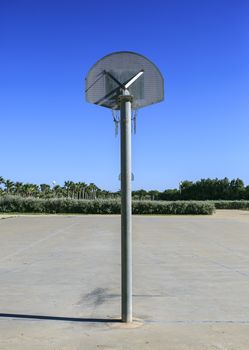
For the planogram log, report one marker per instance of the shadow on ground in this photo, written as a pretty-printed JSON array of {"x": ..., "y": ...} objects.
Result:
[{"x": 59, "y": 318}]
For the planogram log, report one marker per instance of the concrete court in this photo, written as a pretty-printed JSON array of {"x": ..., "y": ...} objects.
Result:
[{"x": 191, "y": 282}]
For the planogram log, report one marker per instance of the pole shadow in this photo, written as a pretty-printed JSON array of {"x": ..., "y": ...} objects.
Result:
[{"x": 61, "y": 318}]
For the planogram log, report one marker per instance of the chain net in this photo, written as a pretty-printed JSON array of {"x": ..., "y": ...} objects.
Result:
[{"x": 116, "y": 120}]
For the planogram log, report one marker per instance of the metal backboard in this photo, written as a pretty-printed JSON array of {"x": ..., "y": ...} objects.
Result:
[{"x": 115, "y": 72}]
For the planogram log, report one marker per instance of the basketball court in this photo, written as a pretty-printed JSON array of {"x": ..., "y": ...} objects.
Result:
[{"x": 60, "y": 282}]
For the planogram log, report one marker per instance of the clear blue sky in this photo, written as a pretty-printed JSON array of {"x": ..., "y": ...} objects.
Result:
[{"x": 49, "y": 132}]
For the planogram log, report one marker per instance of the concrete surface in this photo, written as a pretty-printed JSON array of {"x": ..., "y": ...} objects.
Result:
[{"x": 191, "y": 282}]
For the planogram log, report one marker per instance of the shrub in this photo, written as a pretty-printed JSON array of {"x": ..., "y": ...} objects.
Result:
[
  {"x": 105, "y": 206},
  {"x": 172, "y": 207},
  {"x": 231, "y": 204}
]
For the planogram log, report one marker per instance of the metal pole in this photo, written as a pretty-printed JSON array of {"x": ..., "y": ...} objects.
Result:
[{"x": 126, "y": 224}]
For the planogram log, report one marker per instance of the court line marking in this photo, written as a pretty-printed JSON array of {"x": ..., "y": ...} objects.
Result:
[
  {"x": 197, "y": 321},
  {"x": 53, "y": 234}
]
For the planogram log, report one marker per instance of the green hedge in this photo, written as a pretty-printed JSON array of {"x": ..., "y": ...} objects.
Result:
[
  {"x": 242, "y": 204},
  {"x": 172, "y": 207},
  {"x": 16, "y": 204}
]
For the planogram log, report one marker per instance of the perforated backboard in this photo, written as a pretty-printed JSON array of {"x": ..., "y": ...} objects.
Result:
[{"x": 108, "y": 77}]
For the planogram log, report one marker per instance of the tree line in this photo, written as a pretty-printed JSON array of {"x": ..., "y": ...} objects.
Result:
[
  {"x": 70, "y": 189},
  {"x": 204, "y": 189}
]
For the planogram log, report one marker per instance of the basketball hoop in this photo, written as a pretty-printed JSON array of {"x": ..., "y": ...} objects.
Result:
[{"x": 124, "y": 82}]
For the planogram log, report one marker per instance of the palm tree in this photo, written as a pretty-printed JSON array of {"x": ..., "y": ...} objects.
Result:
[
  {"x": 18, "y": 188},
  {"x": 1, "y": 183},
  {"x": 67, "y": 187},
  {"x": 1, "y": 180},
  {"x": 82, "y": 186},
  {"x": 9, "y": 186},
  {"x": 76, "y": 190},
  {"x": 58, "y": 191},
  {"x": 70, "y": 188},
  {"x": 45, "y": 190},
  {"x": 30, "y": 190},
  {"x": 92, "y": 188}
]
